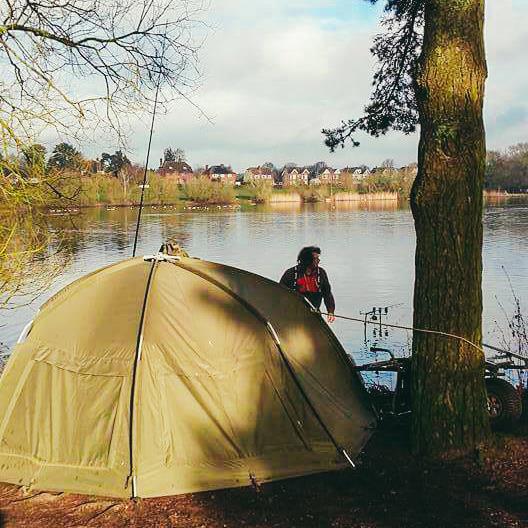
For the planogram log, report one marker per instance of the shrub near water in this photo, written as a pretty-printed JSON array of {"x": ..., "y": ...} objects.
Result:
[
  {"x": 399, "y": 182},
  {"x": 314, "y": 193},
  {"x": 161, "y": 190},
  {"x": 261, "y": 190},
  {"x": 101, "y": 189},
  {"x": 203, "y": 190},
  {"x": 104, "y": 189}
]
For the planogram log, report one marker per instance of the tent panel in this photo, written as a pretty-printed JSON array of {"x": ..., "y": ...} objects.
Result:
[
  {"x": 320, "y": 362},
  {"x": 56, "y": 423},
  {"x": 25, "y": 471},
  {"x": 110, "y": 301},
  {"x": 212, "y": 382},
  {"x": 238, "y": 473},
  {"x": 62, "y": 417}
]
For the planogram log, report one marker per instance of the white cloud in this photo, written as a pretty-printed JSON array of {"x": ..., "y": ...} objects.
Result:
[
  {"x": 274, "y": 75},
  {"x": 506, "y": 42}
]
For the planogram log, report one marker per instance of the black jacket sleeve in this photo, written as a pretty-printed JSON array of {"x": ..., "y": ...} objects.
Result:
[
  {"x": 288, "y": 278},
  {"x": 326, "y": 290}
]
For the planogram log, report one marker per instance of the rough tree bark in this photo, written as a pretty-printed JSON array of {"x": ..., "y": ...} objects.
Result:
[{"x": 449, "y": 403}]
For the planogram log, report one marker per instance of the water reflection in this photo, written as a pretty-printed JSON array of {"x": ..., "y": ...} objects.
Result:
[
  {"x": 368, "y": 252},
  {"x": 30, "y": 259},
  {"x": 359, "y": 205}
]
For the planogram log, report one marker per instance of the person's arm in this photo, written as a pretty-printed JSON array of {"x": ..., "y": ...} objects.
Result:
[
  {"x": 288, "y": 278},
  {"x": 329, "y": 300}
]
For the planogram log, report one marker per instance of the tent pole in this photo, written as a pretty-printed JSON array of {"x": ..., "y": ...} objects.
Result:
[
  {"x": 139, "y": 345},
  {"x": 298, "y": 383}
]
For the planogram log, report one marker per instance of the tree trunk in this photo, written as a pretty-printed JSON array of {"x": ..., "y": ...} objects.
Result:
[{"x": 448, "y": 392}]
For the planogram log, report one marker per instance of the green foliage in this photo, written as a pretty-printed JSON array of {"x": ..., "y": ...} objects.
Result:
[
  {"x": 30, "y": 256},
  {"x": 65, "y": 157},
  {"x": 314, "y": 193},
  {"x": 349, "y": 183},
  {"x": 161, "y": 190},
  {"x": 115, "y": 162},
  {"x": 508, "y": 171},
  {"x": 203, "y": 190},
  {"x": 393, "y": 101},
  {"x": 34, "y": 160},
  {"x": 398, "y": 181},
  {"x": 261, "y": 190},
  {"x": 100, "y": 189}
]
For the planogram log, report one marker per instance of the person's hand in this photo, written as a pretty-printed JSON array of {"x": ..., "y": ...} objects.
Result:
[{"x": 330, "y": 318}]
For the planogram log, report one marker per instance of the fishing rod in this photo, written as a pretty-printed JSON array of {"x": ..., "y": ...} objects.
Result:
[
  {"x": 425, "y": 331},
  {"x": 160, "y": 77}
]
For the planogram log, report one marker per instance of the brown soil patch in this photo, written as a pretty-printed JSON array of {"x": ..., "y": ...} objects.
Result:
[{"x": 389, "y": 489}]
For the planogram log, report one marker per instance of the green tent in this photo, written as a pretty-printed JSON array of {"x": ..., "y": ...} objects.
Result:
[{"x": 164, "y": 375}]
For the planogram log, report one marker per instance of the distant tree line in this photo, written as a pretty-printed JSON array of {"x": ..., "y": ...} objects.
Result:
[
  {"x": 64, "y": 157},
  {"x": 508, "y": 170},
  {"x": 505, "y": 170}
]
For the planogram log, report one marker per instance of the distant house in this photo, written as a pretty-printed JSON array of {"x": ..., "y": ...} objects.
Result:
[
  {"x": 382, "y": 171},
  {"x": 95, "y": 166},
  {"x": 258, "y": 174},
  {"x": 356, "y": 173},
  {"x": 290, "y": 176},
  {"x": 295, "y": 176},
  {"x": 220, "y": 173},
  {"x": 176, "y": 170},
  {"x": 329, "y": 175},
  {"x": 305, "y": 176}
]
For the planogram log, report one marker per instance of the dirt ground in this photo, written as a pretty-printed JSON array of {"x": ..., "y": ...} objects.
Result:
[{"x": 389, "y": 489}]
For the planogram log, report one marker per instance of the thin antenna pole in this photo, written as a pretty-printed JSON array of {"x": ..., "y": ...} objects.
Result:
[{"x": 148, "y": 153}]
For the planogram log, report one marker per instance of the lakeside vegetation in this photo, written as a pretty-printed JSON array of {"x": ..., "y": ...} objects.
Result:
[
  {"x": 67, "y": 179},
  {"x": 76, "y": 190},
  {"x": 204, "y": 191},
  {"x": 508, "y": 170}
]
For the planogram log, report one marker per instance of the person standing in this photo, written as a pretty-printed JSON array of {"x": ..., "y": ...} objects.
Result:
[{"x": 310, "y": 280}]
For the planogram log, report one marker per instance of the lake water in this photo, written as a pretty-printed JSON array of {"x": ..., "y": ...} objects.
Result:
[{"x": 367, "y": 250}]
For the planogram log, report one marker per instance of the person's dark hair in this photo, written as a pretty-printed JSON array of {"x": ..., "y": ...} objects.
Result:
[{"x": 305, "y": 257}]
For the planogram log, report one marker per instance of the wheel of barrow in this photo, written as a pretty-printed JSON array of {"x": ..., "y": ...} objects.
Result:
[{"x": 504, "y": 403}]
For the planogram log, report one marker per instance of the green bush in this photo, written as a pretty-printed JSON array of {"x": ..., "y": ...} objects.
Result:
[
  {"x": 104, "y": 189},
  {"x": 399, "y": 181},
  {"x": 261, "y": 190},
  {"x": 203, "y": 190},
  {"x": 313, "y": 193}
]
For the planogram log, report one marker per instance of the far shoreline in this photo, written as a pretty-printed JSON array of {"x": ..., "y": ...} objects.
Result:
[{"x": 276, "y": 199}]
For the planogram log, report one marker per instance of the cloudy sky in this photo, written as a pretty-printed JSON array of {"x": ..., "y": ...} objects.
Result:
[{"x": 274, "y": 72}]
